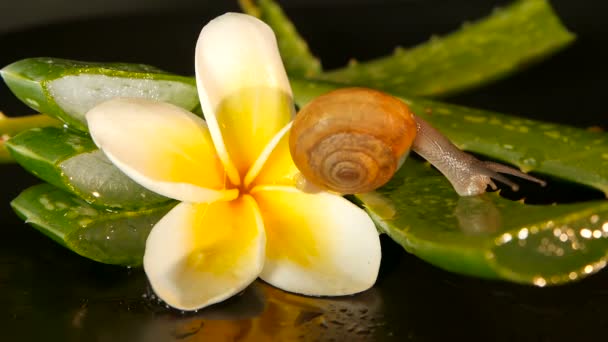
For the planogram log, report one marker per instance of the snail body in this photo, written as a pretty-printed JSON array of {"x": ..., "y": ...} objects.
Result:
[{"x": 353, "y": 140}]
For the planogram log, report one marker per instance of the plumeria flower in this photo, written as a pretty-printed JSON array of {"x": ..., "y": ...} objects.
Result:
[{"x": 241, "y": 215}]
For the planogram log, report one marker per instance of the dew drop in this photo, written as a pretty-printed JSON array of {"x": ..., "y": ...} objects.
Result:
[
  {"x": 530, "y": 162},
  {"x": 540, "y": 281},
  {"x": 586, "y": 233}
]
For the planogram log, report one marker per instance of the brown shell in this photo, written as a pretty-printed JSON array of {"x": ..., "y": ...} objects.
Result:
[{"x": 351, "y": 140}]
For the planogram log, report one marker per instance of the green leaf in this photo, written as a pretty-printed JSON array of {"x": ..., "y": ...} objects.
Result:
[
  {"x": 489, "y": 236},
  {"x": 557, "y": 150},
  {"x": 298, "y": 59},
  {"x": 112, "y": 237},
  {"x": 11, "y": 126},
  {"x": 73, "y": 163},
  {"x": 67, "y": 89},
  {"x": 478, "y": 53}
]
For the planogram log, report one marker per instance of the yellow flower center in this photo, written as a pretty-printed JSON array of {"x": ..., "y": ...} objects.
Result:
[{"x": 245, "y": 125}]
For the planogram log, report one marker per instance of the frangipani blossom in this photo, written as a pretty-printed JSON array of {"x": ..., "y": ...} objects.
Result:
[{"x": 241, "y": 214}]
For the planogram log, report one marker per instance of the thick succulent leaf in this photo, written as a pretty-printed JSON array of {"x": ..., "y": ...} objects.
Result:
[
  {"x": 73, "y": 163},
  {"x": 479, "y": 52},
  {"x": 298, "y": 59},
  {"x": 67, "y": 89},
  {"x": 557, "y": 150},
  {"x": 10, "y": 126},
  {"x": 487, "y": 235},
  {"x": 112, "y": 237},
  {"x": 561, "y": 151}
]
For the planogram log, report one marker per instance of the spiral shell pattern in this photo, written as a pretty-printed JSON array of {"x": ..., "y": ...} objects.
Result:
[{"x": 351, "y": 140}]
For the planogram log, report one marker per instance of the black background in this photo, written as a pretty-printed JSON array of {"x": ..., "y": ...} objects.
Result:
[{"x": 47, "y": 292}]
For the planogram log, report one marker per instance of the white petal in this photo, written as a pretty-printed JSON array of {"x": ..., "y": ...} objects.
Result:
[
  {"x": 201, "y": 254},
  {"x": 243, "y": 88},
  {"x": 317, "y": 244},
  {"x": 162, "y": 147}
]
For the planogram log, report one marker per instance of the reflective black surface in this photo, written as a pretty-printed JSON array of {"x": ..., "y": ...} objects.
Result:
[{"x": 49, "y": 293}]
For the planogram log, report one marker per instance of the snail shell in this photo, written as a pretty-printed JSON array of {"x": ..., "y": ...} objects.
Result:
[{"x": 351, "y": 140}]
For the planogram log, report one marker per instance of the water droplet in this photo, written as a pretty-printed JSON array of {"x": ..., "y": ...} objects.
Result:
[
  {"x": 529, "y": 162},
  {"x": 363, "y": 331},
  {"x": 539, "y": 281},
  {"x": 506, "y": 237},
  {"x": 586, "y": 233},
  {"x": 523, "y": 234},
  {"x": 306, "y": 316}
]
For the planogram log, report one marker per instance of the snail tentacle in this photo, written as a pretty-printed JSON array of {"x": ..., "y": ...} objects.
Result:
[{"x": 468, "y": 175}]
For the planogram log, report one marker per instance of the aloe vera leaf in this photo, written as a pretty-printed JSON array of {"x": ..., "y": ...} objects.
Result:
[
  {"x": 10, "y": 126},
  {"x": 111, "y": 237},
  {"x": 480, "y": 52},
  {"x": 565, "y": 152},
  {"x": 298, "y": 59},
  {"x": 67, "y": 89},
  {"x": 73, "y": 163},
  {"x": 489, "y": 236}
]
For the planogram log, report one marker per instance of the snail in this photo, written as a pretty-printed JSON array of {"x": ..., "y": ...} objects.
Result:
[{"x": 353, "y": 140}]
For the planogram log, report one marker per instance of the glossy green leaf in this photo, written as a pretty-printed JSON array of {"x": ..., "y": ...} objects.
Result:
[
  {"x": 561, "y": 151},
  {"x": 11, "y": 126},
  {"x": 489, "y": 236},
  {"x": 67, "y": 89},
  {"x": 298, "y": 59},
  {"x": 72, "y": 162},
  {"x": 112, "y": 237},
  {"x": 479, "y": 52}
]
